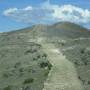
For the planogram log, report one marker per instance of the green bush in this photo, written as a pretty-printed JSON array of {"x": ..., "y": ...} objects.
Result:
[
  {"x": 89, "y": 82},
  {"x": 17, "y": 65},
  {"x": 83, "y": 51},
  {"x": 46, "y": 73},
  {"x": 84, "y": 59},
  {"x": 28, "y": 81},
  {"x": 30, "y": 51},
  {"x": 35, "y": 59},
  {"x": 5, "y": 75},
  {"x": 44, "y": 55},
  {"x": 45, "y": 64},
  {"x": 49, "y": 66},
  {"x": 7, "y": 88},
  {"x": 62, "y": 44}
]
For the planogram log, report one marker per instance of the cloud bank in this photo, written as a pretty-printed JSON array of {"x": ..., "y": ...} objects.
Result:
[{"x": 49, "y": 13}]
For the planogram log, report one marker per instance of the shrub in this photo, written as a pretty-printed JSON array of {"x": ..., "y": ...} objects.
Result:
[
  {"x": 34, "y": 59},
  {"x": 46, "y": 73},
  {"x": 79, "y": 77},
  {"x": 30, "y": 51},
  {"x": 45, "y": 64},
  {"x": 5, "y": 75},
  {"x": 28, "y": 81},
  {"x": 62, "y": 44},
  {"x": 26, "y": 88},
  {"x": 44, "y": 55},
  {"x": 76, "y": 63},
  {"x": 17, "y": 65},
  {"x": 89, "y": 82},
  {"x": 49, "y": 66},
  {"x": 7, "y": 88},
  {"x": 85, "y": 63},
  {"x": 84, "y": 60},
  {"x": 21, "y": 70},
  {"x": 38, "y": 56},
  {"x": 83, "y": 51}
]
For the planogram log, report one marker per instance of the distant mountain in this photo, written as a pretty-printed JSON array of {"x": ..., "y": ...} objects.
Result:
[
  {"x": 68, "y": 30},
  {"x": 62, "y": 29}
]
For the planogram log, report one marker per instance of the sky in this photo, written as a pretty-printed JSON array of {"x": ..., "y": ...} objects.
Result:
[{"x": 17, "y": 14}]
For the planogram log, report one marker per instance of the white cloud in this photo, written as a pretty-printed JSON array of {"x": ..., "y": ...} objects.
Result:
[
  {"x": 10, "y": 11},
  {"x": 72, "y": 13},
  {"x": 28, "y": 8},
  {"x": 49, "y": 13}
]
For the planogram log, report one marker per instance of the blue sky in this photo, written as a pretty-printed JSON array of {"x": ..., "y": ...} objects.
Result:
[{"x": 7, "y": 23}]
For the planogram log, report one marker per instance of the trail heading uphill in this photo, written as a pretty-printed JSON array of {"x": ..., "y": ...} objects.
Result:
[{"x": 63, "y": 75}]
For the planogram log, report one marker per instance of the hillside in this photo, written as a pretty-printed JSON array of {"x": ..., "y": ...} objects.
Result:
[{"x": 25, "y": 65}]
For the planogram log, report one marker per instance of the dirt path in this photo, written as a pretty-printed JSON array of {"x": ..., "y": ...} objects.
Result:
[{"x": 63, "y": 75}]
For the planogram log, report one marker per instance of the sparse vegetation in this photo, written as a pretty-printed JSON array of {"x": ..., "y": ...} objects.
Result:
[
  {"x": 16, "y": 69},
  {"x": 80, "y": 56}
]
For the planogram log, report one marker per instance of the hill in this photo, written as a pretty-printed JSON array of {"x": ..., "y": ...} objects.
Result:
[{"x": 23, "y": 63}]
